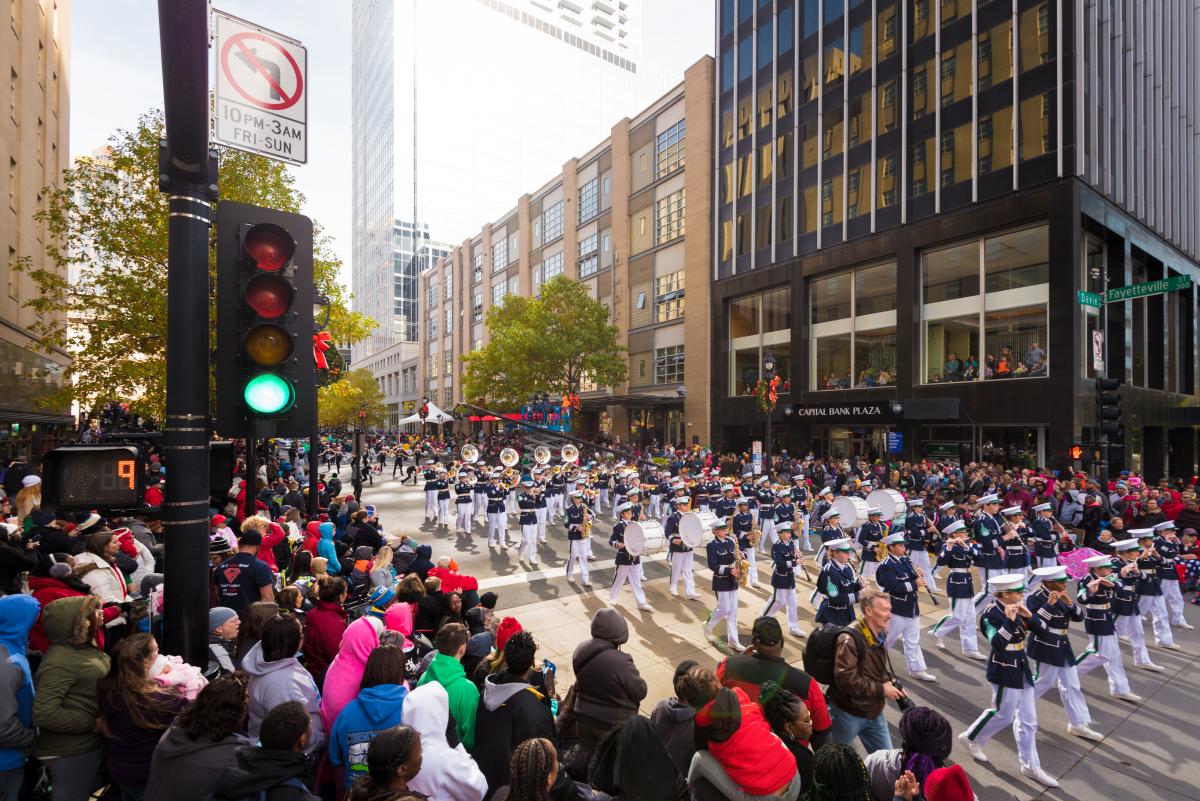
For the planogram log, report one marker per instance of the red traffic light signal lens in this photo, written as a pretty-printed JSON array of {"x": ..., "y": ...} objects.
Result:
[
  {"x": 1076, "y": 451},
  {"x": 268, "y": 345},
  {"x": 269, "y": 246},
  {"x": 269, "y": 296}
]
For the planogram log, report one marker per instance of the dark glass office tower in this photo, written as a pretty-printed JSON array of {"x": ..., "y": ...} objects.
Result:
[{"x": 909, "y": 196}]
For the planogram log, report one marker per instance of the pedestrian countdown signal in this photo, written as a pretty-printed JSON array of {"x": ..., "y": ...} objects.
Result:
[{"x": 264, "y": 321}]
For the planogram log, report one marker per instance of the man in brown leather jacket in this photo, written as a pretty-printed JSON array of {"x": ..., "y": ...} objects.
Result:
[{"x": 863, "y": 684}]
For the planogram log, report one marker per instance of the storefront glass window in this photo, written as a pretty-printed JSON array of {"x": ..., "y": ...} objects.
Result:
[
  {"x": 759, "y": 324},
  {"x": 854, "y": 329},
  {"x": 1010, "y": 313}
]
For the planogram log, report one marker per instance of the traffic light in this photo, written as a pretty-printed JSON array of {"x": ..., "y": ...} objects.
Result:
[
  {"x": 1076, "y": 452},
  {"x": 1108, "y": 406},
  {"x": 265, "y": 369}
]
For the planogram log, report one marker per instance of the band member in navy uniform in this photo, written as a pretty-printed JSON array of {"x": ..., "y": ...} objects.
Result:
[
  {"x": 987, "y": 530},
  {"x": 816, "y": 516},
  {"x": 785, "y": 512},
  {"x": 958, "y": 554},
  {"x": 1150, "y": 593},
  {"x": 722, "y": 555},
  {"x": 1127, "y": 604},
  {"x": 725, "y": 505},
  {"x": 481, "y": 487},
  {"x": 766, "y": 514},
  {"x": 542, "y": 502},
  {"x": 743, "y": 525},
  {"x": 634, "y": 496},
  {"x": 430, "y": 475},
  {"x": 1006, "y": 624},
  {"x": 497, "y": 495},
  {"x": 870, "y": 534},
  {"x": 1098, "y": 594},
  {"x": 785, "y": 557},
  {"x": 626, "y": 562},
  {"x": 462, "y": 501},
  {"x": 839, "y": 584},
  {"x": 1016, "y": 552},
  {"x": 575, "y": 517},
  {"x": 1051, "y": 650},
  {"x": 1167, "y": 544},
  {"x": 527, "y": 502},
  {"x": 1045, "y": 536},
  {"x": 916, "y": 527},
  {"x": 898, "y": 578},
  {"x": 680, "y": 555}
]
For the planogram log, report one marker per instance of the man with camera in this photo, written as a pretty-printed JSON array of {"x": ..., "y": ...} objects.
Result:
[{"x": 862, "y": 677}]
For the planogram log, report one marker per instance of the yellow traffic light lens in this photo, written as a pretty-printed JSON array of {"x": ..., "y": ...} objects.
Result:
[{"x": 268, "y": 345}]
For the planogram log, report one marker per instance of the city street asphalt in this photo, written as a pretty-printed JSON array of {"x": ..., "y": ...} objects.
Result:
[{"x": 1150, "y": 750}]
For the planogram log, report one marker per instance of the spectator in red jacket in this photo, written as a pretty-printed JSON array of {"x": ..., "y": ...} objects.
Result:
[
  {"x": 55, "y": 579},
  {"x": 272, "y": 535},
  {"x": 324, "y": 625},
  {"x": 312, "y": 536}
]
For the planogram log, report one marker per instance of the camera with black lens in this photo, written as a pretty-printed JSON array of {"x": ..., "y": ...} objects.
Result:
[{"x": 904, "y": 702}]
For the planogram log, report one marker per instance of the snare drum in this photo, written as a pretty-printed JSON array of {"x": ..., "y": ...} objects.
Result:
[
  {"x": 695, "y": 528},
  {"x": 852, "y": 511},
  {"x": 644, "y": 537},
  {"x": 890, "y": 502}
]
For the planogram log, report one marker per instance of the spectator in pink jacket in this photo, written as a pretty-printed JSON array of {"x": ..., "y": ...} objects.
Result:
[{"x": 344, "y": 676}]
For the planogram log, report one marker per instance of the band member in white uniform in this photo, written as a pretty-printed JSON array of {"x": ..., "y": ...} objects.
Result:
[
  {"x": 723, "y": 562},
  {"x": 497, "y": 520},
  {"x": 576, "y": 516},
  {"x": 898, "y": 578},
  {"x": 627, "y": 564},
  {"x": 870, "y": 534},
  {"x": 958, "y": 554},
  {"x": 462, "y": 502},
  {"x": 785, "y": 556},
  {"x": 527, "y": 501},
  {"x": 1168, "y": 546},
  {"x": 681, "y": 556}
]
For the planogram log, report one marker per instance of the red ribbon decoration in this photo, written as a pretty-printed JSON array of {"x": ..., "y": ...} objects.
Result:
[{"x": 321, "y": 342}]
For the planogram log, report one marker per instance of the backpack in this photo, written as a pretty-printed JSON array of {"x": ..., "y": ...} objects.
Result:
[
  {"x": 821, "y": 647},
  {"x": 262, "y": 794}
]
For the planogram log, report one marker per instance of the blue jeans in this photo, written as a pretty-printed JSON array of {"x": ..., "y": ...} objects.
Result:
[
  {"x": 10, "y": 784},
  {"x": 874, "y": 734}
]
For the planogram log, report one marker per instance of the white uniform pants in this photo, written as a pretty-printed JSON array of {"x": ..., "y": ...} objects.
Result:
[
  {"x": 496, "y": 526},
  {"x": 655, "y": 506},
  {"x": 786, "y": 600},
  {"x": 1018, "y": 707},
  {"x": 769, "y": 537},
  {"x": 529, "y": 540},
  {"x": 510, "y": 503},
  {"x": 961, "y": 617},
  {"x": 753, "y": 566},
  {"x": 443, "y": 511},
  {"x": 1156, "y": 605},
  {"x": 578, "y": 555},
  {"x": 541, "y": 515},
  {"x": 908, "y": 631},
  {"x": 480, "y": 505},
  {"x": 868, "y": 569},
  {"x": 681, "y": 566},
  {"x": 628, "y": 573},
  {"x": 805, "y": 540},
  {"x": 727, "y": 610},
  {"x": 1174, "y": 600},
  {"x": 431, "y": 503},
  {"x": 920, "y": 560},
  {"x": 1105, "y": 650},
  {"x": 1131, "y": 626},
  {"x": 463, "y": 523},
  {"x": 1067, "y": 679},
  {"x": 602, "y": 501}
]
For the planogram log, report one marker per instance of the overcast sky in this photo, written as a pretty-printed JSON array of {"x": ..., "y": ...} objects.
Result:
[{"x": 115, "y": 76}]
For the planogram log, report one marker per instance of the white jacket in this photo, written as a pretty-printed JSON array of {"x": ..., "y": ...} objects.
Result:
[
  {"x": 106, "y": 581},
  {"x": 447, "y": 774}
]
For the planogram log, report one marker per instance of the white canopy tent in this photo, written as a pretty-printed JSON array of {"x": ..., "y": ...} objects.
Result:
[{"x": 436, "y": 415}]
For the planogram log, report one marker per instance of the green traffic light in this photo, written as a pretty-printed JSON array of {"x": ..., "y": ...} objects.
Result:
[{"x": 268, "y": 394}]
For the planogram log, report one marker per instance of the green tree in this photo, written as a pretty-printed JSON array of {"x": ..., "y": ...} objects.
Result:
[
  {"x": 549, "y": 343},
  {"x": 107, "y": 221},
  {"x": 339, "y": 403}
]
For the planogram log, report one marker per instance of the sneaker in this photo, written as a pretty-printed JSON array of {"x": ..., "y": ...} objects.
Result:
[
  {"x": 672, "y": 591},
  {"x": 1085, "y": 732},
  {"x": 737, "y": 646},
  {"x": 645, "y": 607},
  {"x": 924, "y": 675},
  {"x": 1123, "y": 637},
  {"x": 1169, "y": 646},
  {"x": 587, "y": 584},
  {"x": 939, "y": 643},
  {"x": 693, "y": 597},
  {"x": 1153, "y": 668},
  {"x": 1038, "y": 775},
  {"x": 1184, "y": 626},
  {"x": 1133, "y": 698},
  {"x": 972, "y": 747},
  {"x": 798, "y": 632},
  {"x": 978, "y": 655}
]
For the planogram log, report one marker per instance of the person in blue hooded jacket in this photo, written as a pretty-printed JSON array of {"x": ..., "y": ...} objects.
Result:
[
  {"x": 17, "y": 616},
  {"x": 377, "y": 707},
  {"x": 325, "y": 548}
]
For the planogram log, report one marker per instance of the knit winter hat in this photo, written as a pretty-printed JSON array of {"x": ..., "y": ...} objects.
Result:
[
  {"x": 218, "y": 616},
  {"x": 507, "y": 628}
]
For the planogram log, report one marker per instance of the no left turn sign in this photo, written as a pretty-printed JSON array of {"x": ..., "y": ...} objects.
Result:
[{"x": 261, "y": 90}]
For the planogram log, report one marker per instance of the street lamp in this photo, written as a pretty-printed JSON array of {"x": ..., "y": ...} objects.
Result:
[{"x": 768, "y": 364}]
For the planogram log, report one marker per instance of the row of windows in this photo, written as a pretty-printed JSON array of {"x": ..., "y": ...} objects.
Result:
[
  {"x": 660, "y": 366},
  {"x": 668, "y": 148},
  {"x": 669, "y": 217},
  {"x": 552, "y": 223},
  {"x": 589, "y": 256}
]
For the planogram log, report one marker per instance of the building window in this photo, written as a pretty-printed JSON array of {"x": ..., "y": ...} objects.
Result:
[
  {"x": 589, "y": 255},
  {"x": 448, "y": 397},
  {"x": 853, "y": 333},
  {"x": 498, "y": 292},
  {"x": 668, "y": 297},
  {"x": 552, "y": 266},
  {"x": 536, "y": 224},
  {"x": 759, "y": 324},
  {"x": 431, "y": 293},
  {"x": 448, "y": 281},
  {"x": 448, "y": 361},
  {"x": 669, "y": 216},
  {"x": 477, "y": 308},
  {"x": 589, "y": 200},
  {"x": 536, "y": 280},
  {"x": 605, "y": 191},
  {"x": 984, "y": 308},
  {"x": 669, "y": 149},
  {"x": 449, "y": 320},
  {"x": 476, "y": 264},
  {"x": 552, "y": 223},
  {"x": 499, "y": 253},
  {"x": 668, "y": 365}
]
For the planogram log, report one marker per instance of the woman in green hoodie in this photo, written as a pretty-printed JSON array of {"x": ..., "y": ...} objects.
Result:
[{"x": 65, "y": 709}]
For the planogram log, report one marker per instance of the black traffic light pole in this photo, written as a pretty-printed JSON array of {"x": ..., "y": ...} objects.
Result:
[{"x": 188, "y": 175}]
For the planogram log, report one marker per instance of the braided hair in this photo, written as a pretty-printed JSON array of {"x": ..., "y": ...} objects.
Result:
[
  {"x": 780, "y": 707},
  {"x": 532, "y": 762},
  {"x": 388, "y": 752},
  {"x": 838, "y": 775}
]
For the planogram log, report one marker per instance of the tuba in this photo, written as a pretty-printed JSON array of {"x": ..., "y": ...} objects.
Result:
[
  {"x": 541, "y": 454},
  {"x": 509, "y": 457},
  {"x": 569, "y": 454},
  {"x": 469, "y": 453}
]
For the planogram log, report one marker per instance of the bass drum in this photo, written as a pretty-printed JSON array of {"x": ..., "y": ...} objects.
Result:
[
  {"x": 645, "y": 537},
  {"x": 889, "y": 501},
  {"x": 852, "y": 511},
  {"x": 695, "y": 528}
]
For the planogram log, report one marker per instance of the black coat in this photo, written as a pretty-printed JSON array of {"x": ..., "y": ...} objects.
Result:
[{"x": 511, "y": 711}]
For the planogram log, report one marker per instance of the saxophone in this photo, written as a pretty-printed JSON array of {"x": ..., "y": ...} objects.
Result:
[
  {"x": 587, "y": 525},
  {"x": 743, "y": 568}
]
